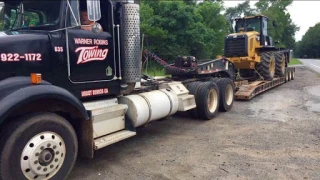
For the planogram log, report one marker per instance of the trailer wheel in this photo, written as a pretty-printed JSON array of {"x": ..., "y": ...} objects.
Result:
[
  {"x": 207, "y": 100},
  {"x": 292, "y": 74},
  {"x": 280, "y": 64},
  {"x": 38, "y": 146},
  {"x": 193, "y": 88},
  {"x": 266, "y": 67},
  {"x": 287, "y": 75},
  {"x": 226, "y": 89}
]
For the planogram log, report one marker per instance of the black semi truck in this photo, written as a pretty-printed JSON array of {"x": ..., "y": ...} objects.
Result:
[{"x": 66, "y": 90}]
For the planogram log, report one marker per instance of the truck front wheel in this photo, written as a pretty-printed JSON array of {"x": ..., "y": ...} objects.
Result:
[{"x": 37, "y": 146}]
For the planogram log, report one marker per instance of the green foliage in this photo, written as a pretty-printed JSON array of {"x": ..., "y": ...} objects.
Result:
[
  {"x": 309, "y": 46},
  {"x": 174, "y": 28}
]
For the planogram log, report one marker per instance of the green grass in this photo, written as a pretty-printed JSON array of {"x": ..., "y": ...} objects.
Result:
[{"x": 294, "y": 61}]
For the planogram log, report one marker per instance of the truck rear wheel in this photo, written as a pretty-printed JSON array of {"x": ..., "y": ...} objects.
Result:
[
  {"x": 226, "y": 89},
  {"x": 39, "y": 146},
  {"x": 266, "y": 67},
  {"x": 280, "y": 64},
  {"x": 207, "y": 100},
  {"x": 193, "y": 88}
]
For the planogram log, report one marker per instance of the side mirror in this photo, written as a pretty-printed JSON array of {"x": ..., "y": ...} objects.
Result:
[
  {"x": 94, "y": 11},
  {"x": 274, "y": 23},
  {"x": 276, "y": 42},
  {"x": 96, "y": 28}
]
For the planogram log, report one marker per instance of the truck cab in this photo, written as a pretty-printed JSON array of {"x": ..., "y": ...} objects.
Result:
[
  {"x": 50, "y": 38},
  {"x": 258, "y": 23}
]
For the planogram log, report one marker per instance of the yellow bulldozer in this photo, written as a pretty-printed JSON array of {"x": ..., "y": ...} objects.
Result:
[{"x": 252, "y": 50}]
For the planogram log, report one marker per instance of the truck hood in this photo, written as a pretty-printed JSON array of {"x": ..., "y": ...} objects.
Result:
[
  {"x": 8, "y": 33},
  {"x": 19, "y": 39},
  {"x": 23, "y": 52}
]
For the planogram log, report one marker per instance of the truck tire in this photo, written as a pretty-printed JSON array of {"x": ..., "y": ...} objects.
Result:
[
  {"x": 193, "y": 88},
  {"x": 266, "y": 67},
  {"x": 226, "y": 89},
  {"x": 287, "y": 75},
  {"x": 38, "y": 146},
  {"x": 280, "y": 64},
  {"x": 207, "y": 100},
  {"x": 292, "y": 74}
]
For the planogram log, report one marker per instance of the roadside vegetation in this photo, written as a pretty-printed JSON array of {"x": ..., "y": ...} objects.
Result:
[
  {"x": 309, "y": 46},
  {"x": 295, "y": 61}
]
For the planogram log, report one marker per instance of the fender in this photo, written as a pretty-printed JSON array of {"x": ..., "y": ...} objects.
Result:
[{"x": 18, "y": 91}]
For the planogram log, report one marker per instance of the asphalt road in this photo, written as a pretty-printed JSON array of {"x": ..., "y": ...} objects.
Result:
[
  {"x": 312, "y": 63},
  {"x": 276, "y": 135}
]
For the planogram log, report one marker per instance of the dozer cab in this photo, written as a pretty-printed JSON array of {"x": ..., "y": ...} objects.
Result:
[{"x": 252, "y": 51}]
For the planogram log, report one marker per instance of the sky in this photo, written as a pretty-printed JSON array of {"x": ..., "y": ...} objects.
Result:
[{"x": 304, "y": 13}]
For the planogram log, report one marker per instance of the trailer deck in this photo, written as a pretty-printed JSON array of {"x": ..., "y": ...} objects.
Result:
[{"x": 247, "y": 90}]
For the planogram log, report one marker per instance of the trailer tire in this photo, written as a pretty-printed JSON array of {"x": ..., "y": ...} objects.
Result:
[
  {"x": 38, "y": 146},
  {"x": 193, "y": 88},
  {"x": 207, "y": 100},
  {"x": 226, "y": 89},
  {"x": 266, "y": 67},
  {"x": 287, "y": 75},
  {"x": 292, "y": 74},
  {"x": 280, "y": 64}
]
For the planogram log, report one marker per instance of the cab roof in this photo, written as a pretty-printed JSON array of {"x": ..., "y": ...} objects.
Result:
[{"x": 250, "y": 17}]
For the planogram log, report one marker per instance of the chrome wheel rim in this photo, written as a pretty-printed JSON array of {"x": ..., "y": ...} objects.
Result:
[
  {"x": 229, "y": 95},
  {"x": 43, "y": 156},
  {"x": 212, "y": 100}
]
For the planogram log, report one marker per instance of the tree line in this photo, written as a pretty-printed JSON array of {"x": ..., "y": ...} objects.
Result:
[
  {"x": 177, "y": 27},
  {"x": 309, "y": 46}
]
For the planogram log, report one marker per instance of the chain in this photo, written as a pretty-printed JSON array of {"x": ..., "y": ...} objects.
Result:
[
  {"x": 148, "y": 53},
  {"x": 260, "y": 76}
]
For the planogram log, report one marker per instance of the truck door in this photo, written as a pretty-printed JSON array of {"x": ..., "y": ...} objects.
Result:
[{"x": 90, "y": 54}]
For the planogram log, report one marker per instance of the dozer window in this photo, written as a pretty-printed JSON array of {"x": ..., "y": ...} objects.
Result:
[
  {"x": 248, "y": 25},
  {"x": 30, "y": 14}
]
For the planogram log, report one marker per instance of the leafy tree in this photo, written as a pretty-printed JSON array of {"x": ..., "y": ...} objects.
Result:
[
  {"x": 309, "y": 45},
  {"x": 174, "y": 28},
  {"x": 217, "y": 23}
]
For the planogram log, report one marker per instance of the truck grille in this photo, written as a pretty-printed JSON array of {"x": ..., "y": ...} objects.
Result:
[{"x": 235, "y": 47}]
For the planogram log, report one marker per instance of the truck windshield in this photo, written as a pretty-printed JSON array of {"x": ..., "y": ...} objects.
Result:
[
  {"x": 29, "y": 14},
  {"x": 252, "y": 24}
]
